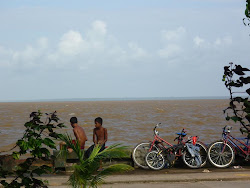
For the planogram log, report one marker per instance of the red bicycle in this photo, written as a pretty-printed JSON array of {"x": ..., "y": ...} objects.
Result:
[{"x": 159, "y": 144}]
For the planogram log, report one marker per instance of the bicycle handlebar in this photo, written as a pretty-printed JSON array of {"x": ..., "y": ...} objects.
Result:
[
  {"x": 155, "y": 131},
  {"x": 179, "y": 137}
]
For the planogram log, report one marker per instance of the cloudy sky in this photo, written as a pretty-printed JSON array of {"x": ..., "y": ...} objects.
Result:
[{"x": 113, "y": 48}]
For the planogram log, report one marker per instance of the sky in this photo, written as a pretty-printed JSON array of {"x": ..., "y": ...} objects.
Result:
[{"x": 119, "y": 49}]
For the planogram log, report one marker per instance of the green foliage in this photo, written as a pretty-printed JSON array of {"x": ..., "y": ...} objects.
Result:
[
  {"x": 37, "y": 140},
  {"x": 235, "y": 79},
  {"x": 247, "y": 13},
  {"x": 86, "y": 173}
]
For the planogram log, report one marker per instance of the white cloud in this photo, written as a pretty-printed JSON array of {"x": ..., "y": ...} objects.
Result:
[
  {"x": 219, "y": 42},
  {"x": 71, "y": 43},
  {"x": 5, "y": 55},
  {"x": 174, "y": 35},
  {"x": 85, "y": 50},
  {"x": 96, "y": 47},
  {"x": 174, "y": 41},
  {"x": 43, "y": 43},
  {"x": 99, "y": 27},
  {"x": 169, "y": 51},
  {"x": 27, "y": 55},
  {"x": 227, "y": 40},
  {"x": 74, "y": 43},
  {"x": 96, "y": 36},
  {"x": 137, "y": 52},
  {"x": 4, "y": 51},
  {"x": 198, "y": 41}
]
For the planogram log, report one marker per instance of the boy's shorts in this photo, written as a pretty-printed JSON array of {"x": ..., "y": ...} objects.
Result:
[
  {"x": 90, "y": 149},
  {"x": 74, "y": 142}
]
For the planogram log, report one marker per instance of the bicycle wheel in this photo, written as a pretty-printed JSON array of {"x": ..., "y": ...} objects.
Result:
[
  {"x": 191, "y": 162},
  {"x": 220, "y": 155},
  {"x": 155, "y": 160},
  {"x": 139, "y": 154}
]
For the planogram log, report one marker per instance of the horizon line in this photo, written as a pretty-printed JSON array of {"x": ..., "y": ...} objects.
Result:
[{"x": 116, "y": 99}]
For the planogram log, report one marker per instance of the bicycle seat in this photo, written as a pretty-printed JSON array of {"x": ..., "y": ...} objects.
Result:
[{"x": 181, "y": 134}]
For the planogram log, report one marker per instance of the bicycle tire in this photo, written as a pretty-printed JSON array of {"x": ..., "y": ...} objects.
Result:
[
  {"x": 218, "y": 159},
  {"x": 139, "y": 154},
  {"x": 190, "y": 161},
  {"x": 155, "y": 160}
]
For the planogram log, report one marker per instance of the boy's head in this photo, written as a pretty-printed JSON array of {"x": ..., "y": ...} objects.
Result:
[
  {"x": 98, "y": 122},
  {"x": 73, "y": 121}
]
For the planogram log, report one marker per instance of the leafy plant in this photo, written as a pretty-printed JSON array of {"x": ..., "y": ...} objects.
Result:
[
  {"x": 239, "y": 107},
  {"x": 36, "y": 141},
  {"x": 86, "y": 173},
  {"x": 247, "y": 13}
]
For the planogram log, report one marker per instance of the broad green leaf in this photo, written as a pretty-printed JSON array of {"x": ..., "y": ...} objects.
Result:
[
  {"x": 49, "y": 142},
  {"x": 16, "y": 155},
  {"x": 248, "y": 91},
  {"x": 26, "y": 181},
  {"x": 38, "y": 171}
]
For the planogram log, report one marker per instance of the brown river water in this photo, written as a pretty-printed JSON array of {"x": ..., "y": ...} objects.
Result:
[{"x": 127, "y": 122}]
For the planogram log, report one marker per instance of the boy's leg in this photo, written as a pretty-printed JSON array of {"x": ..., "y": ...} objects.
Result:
[
  {"x": 102, "y": 148},
  {"x": 89, "y": 151},
  {"x": 62, "y": 145}
]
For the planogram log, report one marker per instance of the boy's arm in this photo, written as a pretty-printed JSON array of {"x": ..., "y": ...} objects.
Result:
[
  {"x": 86, "y": 138},
  {"x": 105, "y": 135},
  {"x": 94, "y": 137},
  {"x": 76, "y": 134}
]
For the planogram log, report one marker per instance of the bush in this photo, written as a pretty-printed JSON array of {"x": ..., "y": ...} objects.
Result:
[
  {"x": 36, "y": 141},
  {"x": 236, "y": 81}
]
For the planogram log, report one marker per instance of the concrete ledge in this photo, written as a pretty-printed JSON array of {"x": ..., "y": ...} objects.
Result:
[
  {"x": 187, "y": 177},
  {"x": 170, "y": 175},
  {"x": 65, "y": 160},
  {"x": 233, "y": 175}
]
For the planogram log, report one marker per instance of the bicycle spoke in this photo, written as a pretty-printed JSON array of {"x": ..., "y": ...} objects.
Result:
[
  {"x": 217, "y": 159},
  {"x": 225, "y": 161},
  {"x": 221, "y": 161}
]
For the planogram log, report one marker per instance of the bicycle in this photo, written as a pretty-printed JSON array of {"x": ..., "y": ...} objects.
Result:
[
  {"x": 142, "y": 149},
  {"x": 190, "y": 153},
  {"x": 221, "y": 153}
]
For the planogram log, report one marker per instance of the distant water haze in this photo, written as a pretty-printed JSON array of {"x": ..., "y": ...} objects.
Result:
[{"x": 128, "y": 121}]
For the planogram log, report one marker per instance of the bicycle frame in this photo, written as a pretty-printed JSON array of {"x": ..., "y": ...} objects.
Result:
[
  {"x": 160, "y": 152},
  {"x": 235, "y": 143},
  {"x": 157, "y": 138}
]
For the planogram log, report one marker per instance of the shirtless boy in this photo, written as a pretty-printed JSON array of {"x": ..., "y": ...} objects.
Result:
[
  {"x": 100, "y": 135},
  {"x": 78, "y": 132}
]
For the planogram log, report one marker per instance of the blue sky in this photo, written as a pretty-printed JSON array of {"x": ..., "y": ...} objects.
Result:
[{"x": 105, "y": 49}]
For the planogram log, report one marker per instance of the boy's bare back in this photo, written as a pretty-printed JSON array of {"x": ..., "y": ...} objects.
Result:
[{"x": 80, "y": 135}]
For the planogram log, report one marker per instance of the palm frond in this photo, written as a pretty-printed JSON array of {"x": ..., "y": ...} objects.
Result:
[
  {"x": 69, "y": 142},
  {"x": 80, "y": 176},
  {"x": 85, "y": 173},
  {"x": 115, "y": 151},
  {"x": 94, "y": 153}
]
